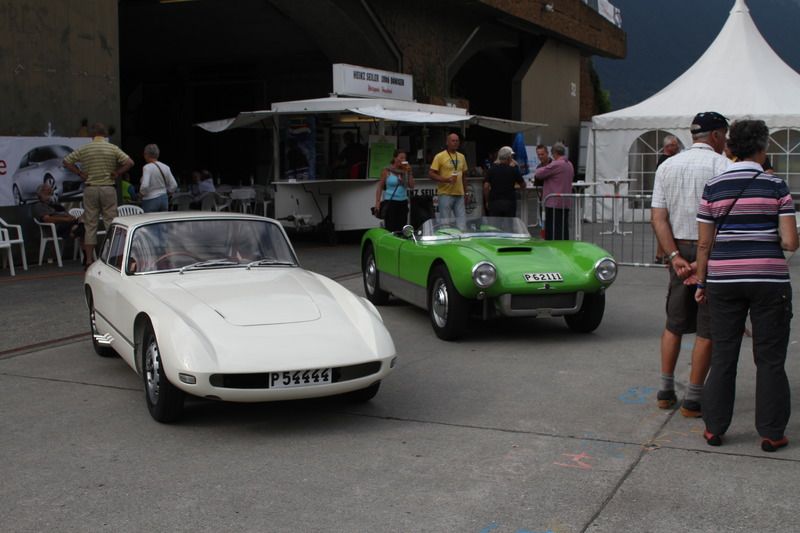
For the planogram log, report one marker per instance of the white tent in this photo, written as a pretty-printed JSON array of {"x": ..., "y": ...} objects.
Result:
[{"x": 739, "y": 76}]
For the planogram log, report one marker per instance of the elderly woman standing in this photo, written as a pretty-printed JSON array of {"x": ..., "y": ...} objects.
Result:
[
  {"x": 743, "y": 269},
  {"x": 157, "y": 181}
]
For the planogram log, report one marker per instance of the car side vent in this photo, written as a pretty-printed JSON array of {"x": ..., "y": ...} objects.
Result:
[{"x": 512, "y": 249}]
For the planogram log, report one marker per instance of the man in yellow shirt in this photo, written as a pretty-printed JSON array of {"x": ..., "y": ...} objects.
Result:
[
  {"x": 101, "y": 164},
  {"x": 448, "y": 169}
]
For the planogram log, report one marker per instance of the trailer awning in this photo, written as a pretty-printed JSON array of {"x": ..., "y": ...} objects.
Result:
[{"x": 390, "y": 110}]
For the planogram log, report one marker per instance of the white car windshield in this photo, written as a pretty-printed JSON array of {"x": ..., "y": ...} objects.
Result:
[
  {"x": 448, "y": 228},
  {"x": 199, "y": 244}
]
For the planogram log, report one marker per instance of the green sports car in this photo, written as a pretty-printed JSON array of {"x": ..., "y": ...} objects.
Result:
[{"x": 489, "y": 267}]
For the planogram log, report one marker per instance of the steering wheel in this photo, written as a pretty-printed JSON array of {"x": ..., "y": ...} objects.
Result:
[{"x": 178, "y": 253}]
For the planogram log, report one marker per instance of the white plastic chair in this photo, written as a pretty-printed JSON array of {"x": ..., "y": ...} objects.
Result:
[
  {"x": 15, "y": 240},
  {"x": 212, "y": 201},
  {"x": 77, "y": 212},
  {"x": 45, "y": 227},
  {"x": 263, "y": 199},
  {"x": 128, "y": 209},
  {"x": 245, "y": 197},
  {"x": 5, "y": 242}
]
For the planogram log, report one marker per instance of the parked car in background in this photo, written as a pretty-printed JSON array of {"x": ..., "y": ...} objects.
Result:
[
  {"x": 489, "y": 267},
  {"x": 43, "y": 165},
  {"x": 216, "y": 305}
]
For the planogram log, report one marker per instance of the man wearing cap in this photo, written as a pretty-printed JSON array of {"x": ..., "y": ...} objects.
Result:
[
  {"x": 557, "y": 176},
  {"x": 677, "y": 191},
  {"x": 499, "y": 196},
  {"x": 448, "y": 169}
]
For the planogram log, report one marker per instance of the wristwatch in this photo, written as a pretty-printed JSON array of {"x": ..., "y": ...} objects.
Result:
[{"x": 672, "y": 255}]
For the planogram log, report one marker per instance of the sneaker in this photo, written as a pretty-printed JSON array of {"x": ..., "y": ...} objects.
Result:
[
  {"x": 711, "y": 439},
  {"x": 691, "y": 409},
  {"x": 666, "y": 399},
  {"x": 769, "y": 445}
]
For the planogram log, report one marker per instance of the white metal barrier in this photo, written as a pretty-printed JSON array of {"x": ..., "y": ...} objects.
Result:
[{"x": 620, "y": 224}]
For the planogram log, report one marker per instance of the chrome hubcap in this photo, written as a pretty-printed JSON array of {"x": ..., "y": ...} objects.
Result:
[
  {"x": 371, "y": 275},
  {"x": 152, "y": 370},
  {"x": 439, "y": 302}
]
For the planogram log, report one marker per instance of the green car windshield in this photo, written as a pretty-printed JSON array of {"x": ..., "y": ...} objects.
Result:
[{"x": 437, "y": 229}]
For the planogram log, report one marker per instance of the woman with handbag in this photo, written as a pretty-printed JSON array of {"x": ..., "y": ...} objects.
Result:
[
  {"x": 391, "y": 196},
  {"x": 157, "y": 182},
  {"x": 746, "y": 221}
]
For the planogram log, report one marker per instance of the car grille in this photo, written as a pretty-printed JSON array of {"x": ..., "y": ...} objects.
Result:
[
  {"x": 543, "y": 301},
  {"x": 258, "y": 380}
]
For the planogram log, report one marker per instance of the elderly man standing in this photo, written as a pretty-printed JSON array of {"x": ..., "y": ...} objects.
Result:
[
  {"x": 678, "y": 188},
  {"x": 557, "y": 176},
  {"x": 101, "y": 164}
]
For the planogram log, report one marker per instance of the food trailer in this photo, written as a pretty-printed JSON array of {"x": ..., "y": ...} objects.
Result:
[{"x": 308, "y": 196}]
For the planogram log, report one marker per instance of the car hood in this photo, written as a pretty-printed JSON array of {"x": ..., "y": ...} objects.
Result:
[{"x": 271, "y": 296}]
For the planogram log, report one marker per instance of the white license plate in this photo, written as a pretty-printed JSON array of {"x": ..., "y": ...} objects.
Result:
[
  {"x": 300, "y": 378},
  {"x": 533, "y": 277}
]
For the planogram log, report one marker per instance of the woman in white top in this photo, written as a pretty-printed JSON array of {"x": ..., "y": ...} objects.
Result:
[{"x": 157, "y": 181}]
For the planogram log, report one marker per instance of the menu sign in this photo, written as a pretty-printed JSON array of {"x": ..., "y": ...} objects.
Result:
[{"x": 352, "y": 80}]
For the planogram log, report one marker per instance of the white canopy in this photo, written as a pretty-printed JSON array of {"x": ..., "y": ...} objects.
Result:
[
  {"x": 739, "y": 76},
  {"x": 384, "y": 109}
]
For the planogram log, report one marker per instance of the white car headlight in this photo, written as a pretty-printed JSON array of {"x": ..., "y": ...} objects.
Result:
[
  {"x": 605, "y": 270},
  {"x": 484, "y": 274}
]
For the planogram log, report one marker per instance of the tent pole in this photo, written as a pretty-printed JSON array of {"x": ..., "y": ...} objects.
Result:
[{"x": 276, "y": 149}]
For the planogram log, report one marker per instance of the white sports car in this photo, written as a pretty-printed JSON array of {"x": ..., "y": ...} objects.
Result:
[{"x": 215, "y": 305}]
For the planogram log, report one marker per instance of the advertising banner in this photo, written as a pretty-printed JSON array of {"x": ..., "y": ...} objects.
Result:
[
  {"x": 381, "y": 152},
  {"x": 351, "y": 80},
  {"x": 300, "y": 154},
  {"x": 27, "y": 162}
]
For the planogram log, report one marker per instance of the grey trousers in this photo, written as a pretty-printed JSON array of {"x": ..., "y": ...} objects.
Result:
[{"x": 770, "y": 307}]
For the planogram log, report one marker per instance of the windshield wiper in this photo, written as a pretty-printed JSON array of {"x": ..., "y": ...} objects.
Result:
[
  {"x": 208, "y": 263},
  {"x": 269, "y": 262}
]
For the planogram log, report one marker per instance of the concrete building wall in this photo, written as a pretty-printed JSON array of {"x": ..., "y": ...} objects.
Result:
[
  {"x": 59, "y": 62},
  {"x": 551, "y": 93}
]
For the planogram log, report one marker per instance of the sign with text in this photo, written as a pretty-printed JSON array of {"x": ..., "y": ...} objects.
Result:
[{"x": 352, "y": 80}]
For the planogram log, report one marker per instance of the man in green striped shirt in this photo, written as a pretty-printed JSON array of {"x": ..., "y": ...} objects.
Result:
[{"x": 100, "y": 164}]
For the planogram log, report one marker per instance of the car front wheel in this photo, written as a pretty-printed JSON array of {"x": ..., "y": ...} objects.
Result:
[
  {"x": 164, "y": 400},
  {"x": 372, "y": 278},
  {"x": 17, "y": 195},
  {"x": 590, "y": 315},
  {"x": 449, "y": 311}
]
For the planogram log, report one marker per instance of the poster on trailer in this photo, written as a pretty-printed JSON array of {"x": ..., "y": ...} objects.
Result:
[{"x": 27, "y": 162}]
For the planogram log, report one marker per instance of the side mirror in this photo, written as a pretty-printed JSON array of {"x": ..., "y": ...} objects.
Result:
[{"x": 408, "y": 232}]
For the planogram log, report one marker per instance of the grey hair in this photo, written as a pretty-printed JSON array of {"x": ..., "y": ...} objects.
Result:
[
  {"x": 701, "y": 136},
  {"x": 41, "y": 188},
  {"x": 669, "y": 139},
  {"x": 152, "y": 150},
  {"x": 559, "y": 148}
]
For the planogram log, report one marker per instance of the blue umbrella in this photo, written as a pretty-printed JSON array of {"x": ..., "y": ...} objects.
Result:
[{"x": 520, "y": 154}]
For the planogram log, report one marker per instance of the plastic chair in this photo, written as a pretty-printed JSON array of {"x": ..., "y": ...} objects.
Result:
[
  {"x": 44, "y": 239},
  {"x": 212, "y": 201},
  {"x": 128, "y": 209},
  {"x": 263, "y": 199},
  {"x": 245, "y": 197},
  {"x": 5, "y": 242},
  {"x": 15, "y": 240}
]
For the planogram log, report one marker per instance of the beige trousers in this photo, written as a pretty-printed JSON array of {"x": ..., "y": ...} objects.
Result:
[{"x": 98, "y": 200}]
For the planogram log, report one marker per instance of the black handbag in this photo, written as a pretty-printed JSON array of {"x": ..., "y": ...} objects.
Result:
[{"x": 383, "y": 207}]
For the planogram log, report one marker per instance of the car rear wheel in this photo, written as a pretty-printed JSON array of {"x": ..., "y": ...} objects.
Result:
[
  {"x": 448, "y": 310},
  {"x": 364, "y": 395},
  {"x": 371, "y": 277},
  {"x": 101, "y": 350},
  {"x": 591, "y": 314},
  {"x": 164, "y": 400}
]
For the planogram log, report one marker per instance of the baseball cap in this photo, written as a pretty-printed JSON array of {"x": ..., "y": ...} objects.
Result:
[
  {"x": 504, "y": 152},
  {"x": 708, "y": 121}
]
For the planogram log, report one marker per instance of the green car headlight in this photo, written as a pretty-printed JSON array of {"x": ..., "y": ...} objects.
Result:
[
  {"x": 606, "y": 270},
  {"x": 484, "y": 274}
]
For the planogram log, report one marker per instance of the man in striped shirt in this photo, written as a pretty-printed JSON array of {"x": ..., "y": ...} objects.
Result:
[
  {"x": 101, "y": 163},
  {"x": 677, "y": 191}
]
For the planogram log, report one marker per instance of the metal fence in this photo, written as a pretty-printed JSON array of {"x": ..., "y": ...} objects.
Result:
[{"x": 620, "y": 224}]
